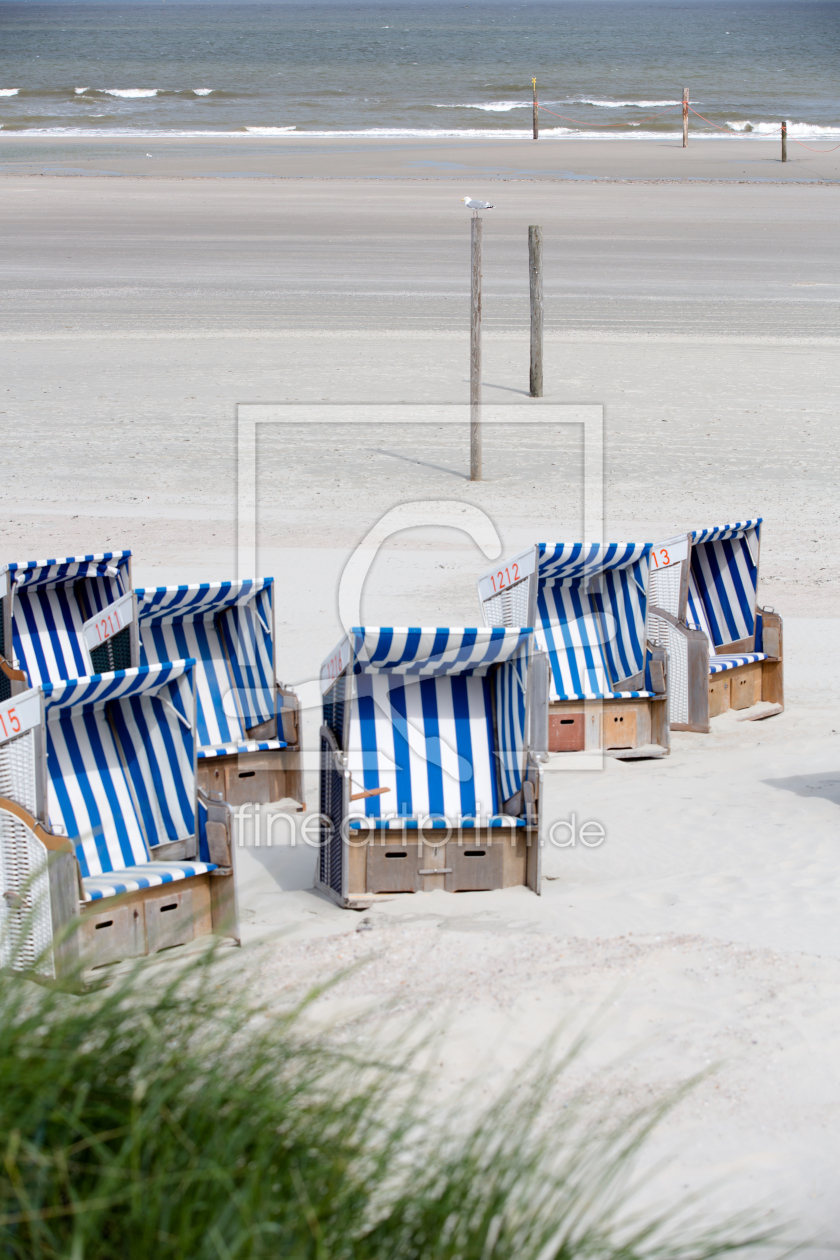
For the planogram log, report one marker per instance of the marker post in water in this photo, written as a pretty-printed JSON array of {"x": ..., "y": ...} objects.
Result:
[
  {"x": 536, "y": 112},
  {"x": 685, "y": 118}
]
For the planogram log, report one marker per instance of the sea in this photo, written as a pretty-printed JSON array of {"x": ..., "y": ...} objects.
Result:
[{"x": 602, "y": 68}]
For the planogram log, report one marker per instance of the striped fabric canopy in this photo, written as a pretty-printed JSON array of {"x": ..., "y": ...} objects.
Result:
[
  {"x": 510, "y": 682},
  {"x": 120, "y": 767},
  {"x": 226, "y": 627},
  {"x": 724, "y": 581},
  {"x": 52, "y": 601},
  {"x": 429, "y": 741},
  {"x": 438, "y": 719},
  {"x": 571, "y": 561},
  {"x": 434, "y": 651},
  {"x": 591, "y": 610},
  {"x": 32, "y": 573}
]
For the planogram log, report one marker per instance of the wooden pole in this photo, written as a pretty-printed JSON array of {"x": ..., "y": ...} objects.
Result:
[
  {"x": 535, "y": 272},
  {"x": 784, "y": 141},
  {"x": 475, "y": 354},
  {"x": 685, "y": 118},
  {"x": 536, "y": 112}
]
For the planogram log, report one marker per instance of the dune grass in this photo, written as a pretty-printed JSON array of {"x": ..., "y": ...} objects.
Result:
[{"x": 167, "y": 1115}]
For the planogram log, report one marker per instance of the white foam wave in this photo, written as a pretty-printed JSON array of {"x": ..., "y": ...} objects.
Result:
[
  {"x": 129, "y": 93},
  {"x": 590, "y": 100},
  {"x": 202, "y": 91},
  {"x": 801, "y": 131},
  {"x": 81, "y": 91},
  {"x": 424, "y": 133},
  {"x": 9, "y": 91},
  {"x": 492, "y": 107}
]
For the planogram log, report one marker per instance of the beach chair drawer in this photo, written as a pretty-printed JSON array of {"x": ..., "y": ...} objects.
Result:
[
  {"x": 566, "y": 732},
  {"x": 745, "y": 687},
  {"x": 619, "y": 727},
  {"x": 169, "y": 920},
  {"x": 112, "y": 934},
  {"x": 475, "y": 867},
  {"x": 718, "y": 694},
  {"x": 249, "y": 778},
  {"x": 394, "y": 867}
]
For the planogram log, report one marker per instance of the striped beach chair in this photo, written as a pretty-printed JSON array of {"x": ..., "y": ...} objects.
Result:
[
  {"x": 66, "y": 619},
  {"x": 427, "y": 775},
  {"x": 724, "y": 651},
  {"x": 588, "y": 604},
  {"x": 247, "y": 724},
  {"x": 102, "y": 829}
]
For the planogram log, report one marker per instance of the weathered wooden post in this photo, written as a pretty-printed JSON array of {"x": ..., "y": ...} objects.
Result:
[
  {"x": 685, "y": 118},
  {"x": 536, "y": 279},
  {"x": 475, "y": 353},
  {"x": 536, "y": 112},
  {"x": 784, "y": 141}
]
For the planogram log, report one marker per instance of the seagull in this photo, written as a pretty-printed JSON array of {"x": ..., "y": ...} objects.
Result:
[{"x": 475, "y": 206}]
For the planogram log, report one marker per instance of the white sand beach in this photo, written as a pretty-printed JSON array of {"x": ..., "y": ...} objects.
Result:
[{"x": 139, "y": 312}]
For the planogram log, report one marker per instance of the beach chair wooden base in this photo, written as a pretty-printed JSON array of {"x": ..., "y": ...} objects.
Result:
[
  {"x": 253, "y": 778},
  {"x": 154, "y": 919},
  {"x": 620, "y": 728},
  {"x": 393, "y": 861},
  {"x": 94, "y": 934}
]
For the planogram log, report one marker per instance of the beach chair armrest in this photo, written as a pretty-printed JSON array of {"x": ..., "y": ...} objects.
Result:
[
  {"x": 219, "y": 827},
  {"x": 54, "y": 843},
  {"x": 771, "y": 633},
  {"x": 658, "y": 668}
]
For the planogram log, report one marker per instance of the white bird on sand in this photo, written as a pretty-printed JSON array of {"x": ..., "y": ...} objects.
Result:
[{"x": 475, "y": 206}]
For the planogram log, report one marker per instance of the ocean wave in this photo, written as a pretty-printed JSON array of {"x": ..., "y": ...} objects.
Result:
[
  {"x": 129, "y": 93},
  {"x": 202, "y": 91},
  {"x": 589, "y": 100},
  {"x": 802, "y": 131},
  {"x": 492, "y": 107},
  {"x": 422, "y": 133},
  {"x": 9, "y": 91}
]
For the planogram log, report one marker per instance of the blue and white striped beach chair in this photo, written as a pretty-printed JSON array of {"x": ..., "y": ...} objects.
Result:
[
  {"x": 248, "y": 746},
  {"x": 101, "y": 771},
  {"x": 66, "y": 619},
  {"x": 724, "y": 652},
  {"x": 588, "y": 604},
  {"x": 426, "y": 772}
]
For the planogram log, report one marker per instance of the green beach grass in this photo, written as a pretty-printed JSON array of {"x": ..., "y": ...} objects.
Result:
[{"x": 169, "y": 1115}]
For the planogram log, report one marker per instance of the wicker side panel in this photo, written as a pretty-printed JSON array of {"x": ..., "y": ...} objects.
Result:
[
  {"x": 25, "y": 918},
  {"x": 510, "y": 606}
]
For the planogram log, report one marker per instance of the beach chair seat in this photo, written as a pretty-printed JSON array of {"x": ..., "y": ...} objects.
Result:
[
  {"x": 426, "y": 772},
  {"x": 66, "y": 619},
  {"x": 724, "y": 651},
  {"x": 97, "y": 775},
  {"x": 589, "y": 607},
  {"x": 247, "y": 723}
]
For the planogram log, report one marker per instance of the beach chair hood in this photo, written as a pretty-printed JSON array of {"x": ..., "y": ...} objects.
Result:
[
  {"x": 435, "y": 725},
  {"x": 67, "y": 618},
  {"x": 589, "y": 605},
  {"x": 227, "y": 627}
]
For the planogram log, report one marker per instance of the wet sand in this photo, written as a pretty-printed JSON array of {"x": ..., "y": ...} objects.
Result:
[{"x": 418, "y": 158}]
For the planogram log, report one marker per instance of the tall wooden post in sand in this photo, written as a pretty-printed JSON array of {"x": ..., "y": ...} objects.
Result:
[
  {"x": 685, "y": 118},
  {"x": 475, "y": 353},
  {"x": 536, "y": 112},
  {"x": 536, "y": 280},
  {"x": 784, "y": 141}
]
